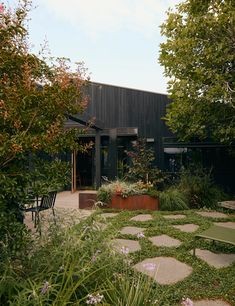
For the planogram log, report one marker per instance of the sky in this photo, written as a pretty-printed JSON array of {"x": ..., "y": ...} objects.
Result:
[{"x": 118, "y": 40}]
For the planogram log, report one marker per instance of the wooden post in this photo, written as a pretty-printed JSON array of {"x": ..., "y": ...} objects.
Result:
[
  {"x": 112, "y": 154},
  {"x": 97, "y": 159},
  {"x": 74, "y": 171}
]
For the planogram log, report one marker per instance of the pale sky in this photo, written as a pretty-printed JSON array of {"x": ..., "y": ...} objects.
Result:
[{"x": 118, "y": 40}]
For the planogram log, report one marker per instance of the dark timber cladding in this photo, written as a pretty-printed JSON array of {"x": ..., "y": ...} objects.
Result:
[
  {"x": 119, "y": 107},
  {"x": 123, "y": 114}
]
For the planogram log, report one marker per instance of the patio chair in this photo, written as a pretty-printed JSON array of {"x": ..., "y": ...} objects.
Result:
[
  {"x": 218, "y": 233},
  {"x": 44, "y": 203}
]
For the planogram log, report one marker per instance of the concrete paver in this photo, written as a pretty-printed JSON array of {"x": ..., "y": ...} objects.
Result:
[
  {"x": 142, "y": 218},
  {"x": 226, "y": 224},
  {"x": 211, "y": 303},
  {"x": 126, "y": 246},
  {"x": 164, "y": 270},
  {"x": 131, "y": 230},
  {"x": 66, "y": 212},
  {"x": 187, "y": 228},
  {"x": 174, "y": 216},
  {"x": 165, "y": 241},
  {"x": 108, "y": 215},
  {"x": 212, "y": 214},
  {"x": 67, "y": 199},
  {"x": 216, "y": 260}
]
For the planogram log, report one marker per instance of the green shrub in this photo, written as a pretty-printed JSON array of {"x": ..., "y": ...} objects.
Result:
[
  {"x": 67, "y": 266},
  {"x": 197, "y": 185},
  {"x": 173, "y": 199}
]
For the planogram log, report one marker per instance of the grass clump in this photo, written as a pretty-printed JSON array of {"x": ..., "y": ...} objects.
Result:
[
  {"x": 197, "y": 185},
  {"x": 173, "y": 199}
]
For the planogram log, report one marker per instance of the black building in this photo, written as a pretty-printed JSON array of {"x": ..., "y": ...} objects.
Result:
[{"x": 121, "y": 115}]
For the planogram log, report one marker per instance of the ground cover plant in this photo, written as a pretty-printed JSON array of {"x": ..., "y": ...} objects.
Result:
[
  {"x": 220, "y": 283},
  {"x": 77, "y": 265}
]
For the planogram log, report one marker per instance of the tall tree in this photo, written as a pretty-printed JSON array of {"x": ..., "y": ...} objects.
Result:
[
  {"x": 35, "y": 97},
  {"x": 199, "y": 58}
]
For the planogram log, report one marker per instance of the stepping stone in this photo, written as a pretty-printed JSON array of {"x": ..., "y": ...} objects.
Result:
[
  {"x": 164, "y": 270},
  {"x": 187, "y": 228},
  {"x": 122, "y": 245},
  {"x": 215, "y": 260},
  {"x": 165, "y": 241},
  {"x": 131, "y": 230},
  {"x": 210, "y": 303},
  {"x": 212, "y": 214},
  {"x": 109, "y": 215},
  {"x": 142, "y": 218},
  {"x": 174, "y": 216},
  {"x": 226, "y": 224}
]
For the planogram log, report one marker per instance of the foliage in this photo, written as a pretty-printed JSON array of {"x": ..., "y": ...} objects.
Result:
[
  {"x": 197, "y": 185},
  {"x": 173, "y": 199},
  {"x": 199, "y": 59},
  {"x": 36, "y": 96},
  {"x": 48, "y": 175},
  {"x": 132, "y": 292},
  {"x": 14, "y": 237},
  {"x": 70, "y": 266},
  {"x": 125, "y": 189},
  {"x": 142, "y": 164}
]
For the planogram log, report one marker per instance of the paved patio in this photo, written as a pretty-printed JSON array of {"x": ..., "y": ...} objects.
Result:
[{"x": 66, "y": 210}]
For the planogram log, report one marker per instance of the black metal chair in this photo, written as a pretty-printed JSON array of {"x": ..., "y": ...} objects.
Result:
[{"x": 40, "y": 204}]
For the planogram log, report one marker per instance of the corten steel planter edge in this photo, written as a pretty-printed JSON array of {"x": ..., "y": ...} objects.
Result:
[{"x": 135, "y": 202}]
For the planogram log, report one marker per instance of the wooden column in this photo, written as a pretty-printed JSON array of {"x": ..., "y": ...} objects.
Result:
[
  {"x": 74, "y": 171},
  {"x": 97, "y": 159},
  {"x": 112, "y": 154}
]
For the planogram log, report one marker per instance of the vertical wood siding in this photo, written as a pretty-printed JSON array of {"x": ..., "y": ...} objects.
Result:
[{"x": 124, "y": 107}]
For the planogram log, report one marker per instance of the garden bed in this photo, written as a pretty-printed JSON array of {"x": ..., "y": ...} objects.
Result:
[{"x": 134, "y": 202}]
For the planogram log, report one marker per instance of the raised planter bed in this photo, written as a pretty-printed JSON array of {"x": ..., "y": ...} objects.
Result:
[{"x": 134, "y": 202}]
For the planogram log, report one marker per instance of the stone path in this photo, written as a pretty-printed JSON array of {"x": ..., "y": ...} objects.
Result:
[
  {"x": 187, "y": 228},
  {"x": 210, "y": 303},
  {"x": 226, "y": 224},
  {"x": 212, "y": 214},
  {"x": 215, "y": 260},
  {"x": 108, "y": 215},
  {"x": 164, "y": 270},
  {"x": 165, "y": 241},
  {"x": 142, "y": 218},
  {"x": 131, "y": 230},
  {"x": 168, "y": 270},
  {"x": 227, "y": 204},
  {"x": 174, "y": 216},
  {"x": 126, "y": 246}
]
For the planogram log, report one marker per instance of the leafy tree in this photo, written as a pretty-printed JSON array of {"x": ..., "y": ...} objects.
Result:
[
  {"x": 199, "y": 59},
  {"x": 35, "y": 98},
  {"x": 141, "y": 166}
]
